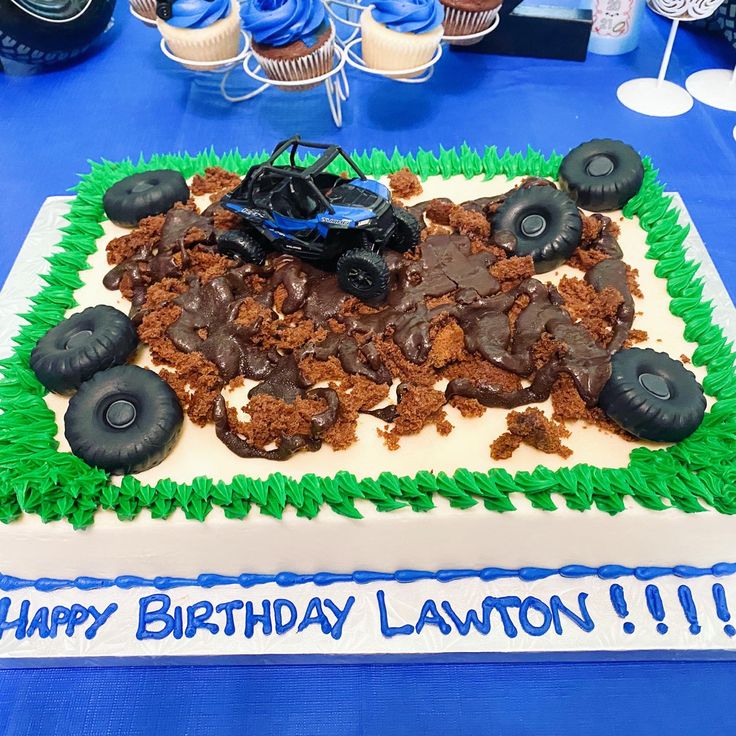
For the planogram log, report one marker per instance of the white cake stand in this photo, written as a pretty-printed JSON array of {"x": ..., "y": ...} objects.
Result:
[
  {"x": 656, "y": 96},
  {"x": 714, "y": 87}
]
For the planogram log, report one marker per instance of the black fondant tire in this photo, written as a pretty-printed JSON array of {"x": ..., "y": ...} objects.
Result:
[
  {"x": 545, "y": 223},
  {"x": 363, "y": 273},
  {"x": 123, "y": 420},
  {"x": 78, "y": 347},
  {"x": 652, "y": 396},
  {"x": 142, "y": 195},
  {"x": 407, "y": 231},
  {"x": 602, "y": 174},
  {"x": 234, "y": 243},
  {"x": 52, "y": 31}
]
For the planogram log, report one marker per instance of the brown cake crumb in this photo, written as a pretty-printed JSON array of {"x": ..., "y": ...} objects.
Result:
[
  {"x": 419, "y": 406},
  {"x": 207, "y": 265},
  {"x": 196, "y": 382},
  {"x": 684, "y": 359},
  {"x": 404, "y": 184},
  {"x": 635, "y": 337},
  {"x": 468, "y": 408},
  {"x": 405, "y": 370},
  {"x": 145, "y": 236},
  {"x": 567, "y": 404},
  {"x": 585, "y": 259},
  {"x": 592, "y": 227},
  {"x": 477, "y": 369},
  {"x": 271, "y": 418},
  {"x": 448, "y": 346},
  {"x": 438, "y": 211},
  {"x": 532, "y": 428},
  {"x": 162, "y": 292},
  {"x": 632, "y": 279},
  {"x": 317, "y": 371},
  {"x": 215, "y": 179},
  {"x": 596, "y": 311},
  {"x": 512, "y": 271},
  {"x": 547, "y": 348},
  {"x": 223, "y": 219},
  {"x": 470, "y": 223},
  {"x": 356, "y": 394}
]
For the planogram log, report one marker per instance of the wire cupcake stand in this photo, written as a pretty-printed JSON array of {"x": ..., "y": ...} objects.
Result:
[{"x": 345, "y": 21}]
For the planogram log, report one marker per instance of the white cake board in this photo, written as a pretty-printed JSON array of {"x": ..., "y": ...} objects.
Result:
[{"x": 559, "y": 614}]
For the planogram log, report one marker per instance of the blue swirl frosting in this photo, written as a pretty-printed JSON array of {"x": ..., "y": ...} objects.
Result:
[
  {"x": 409, "y": 16},
  {"x": 198, "y": 13},
  {"x": 281, "y": 22}
]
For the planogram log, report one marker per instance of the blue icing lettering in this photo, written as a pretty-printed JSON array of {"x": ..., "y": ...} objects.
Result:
[
  {"x": 19, "y": 624},
  {"x": 59, "y": 615},
  {"x": 159, "y": 615},
  {"x": 39, "y": 623},
  {"x": 341, "y": 615},
  {"x": 78, "y": 615},
  {"x": 582, "y": 620},
  {"x": 197, "y": 618},
  {"x": 99, "y": 619},
  {"x": 471, "y": 619},
  {"x": 278, "y": 615},
  {"x": 252, "y": 619},
  {"x": 502, "y": 605},
  {"x": 228, "y": 607},
  {"x": 534, "y": 604},
  {"x": 387, "y": 630},
  {"x": 315, "y": 615},
  {"x": 430, "y": 616}
]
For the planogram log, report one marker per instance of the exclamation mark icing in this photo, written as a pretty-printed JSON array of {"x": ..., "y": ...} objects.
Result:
[
  {"x": 618, "y": 601},
  {"x": 719, "y": 596},
  {"x": 688, "y": 608},
  {"x": 656, "y": 607}
]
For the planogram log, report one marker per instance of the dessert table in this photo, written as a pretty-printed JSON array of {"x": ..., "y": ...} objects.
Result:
[{"x": 127, "y": 99}]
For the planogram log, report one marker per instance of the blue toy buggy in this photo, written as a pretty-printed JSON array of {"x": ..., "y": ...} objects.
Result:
[{"x": 343, "y": 220}]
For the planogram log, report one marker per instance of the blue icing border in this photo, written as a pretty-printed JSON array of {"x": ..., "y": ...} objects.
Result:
[{"x": 9, "y": 583}]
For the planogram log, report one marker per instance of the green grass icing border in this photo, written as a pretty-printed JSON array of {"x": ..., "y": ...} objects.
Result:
[{"x": 35, "y": 478}]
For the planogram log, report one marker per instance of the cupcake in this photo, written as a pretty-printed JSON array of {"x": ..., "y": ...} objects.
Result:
[
  {"x": 465, "y": 17},
  {"x": 401, "y": 34},
  {"x": 145, "y": 10},
  {"x": 202, "y": 30},
  {"x": 291, "y": 39}
]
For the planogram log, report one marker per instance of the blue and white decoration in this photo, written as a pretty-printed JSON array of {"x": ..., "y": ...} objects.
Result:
[{"x": 449, "y": 613}]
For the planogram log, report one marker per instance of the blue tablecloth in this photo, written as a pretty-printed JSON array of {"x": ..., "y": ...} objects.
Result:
[{"x": 130, "y": 99}]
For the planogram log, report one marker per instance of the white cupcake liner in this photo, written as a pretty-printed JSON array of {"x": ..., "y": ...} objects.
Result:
[
  {"x": 466, "y": 22},
  {"x": 216, "y": 42},
  {"x": 144, "y": 8},
  {"x": 388, "y": 50},
  {"x": 314, "y": 64}
]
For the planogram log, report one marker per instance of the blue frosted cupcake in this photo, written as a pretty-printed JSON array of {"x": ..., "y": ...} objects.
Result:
[
  {"x": 202, "y": 30},
  {"x": 401, "y": 34},
  {"x": 291, "y": 39}
]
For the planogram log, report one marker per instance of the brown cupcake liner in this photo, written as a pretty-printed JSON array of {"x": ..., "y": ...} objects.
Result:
[
  {"x": 314, "y": 64},
  {"x": 465, "y": 23},
  {"x": 145, "y": 8}
]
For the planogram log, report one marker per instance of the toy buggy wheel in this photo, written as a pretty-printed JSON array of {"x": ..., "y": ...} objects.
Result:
[
  {"x": 363, "y": 273},
  {"x": 545, "y": 223},
  {"x": 237, "y": 244},
  {"x": 652, "y": 396},
  {"x": 123, "y": 420},
  {"x": 602, "y": 174},
  {"x": 142, "y": 195},
  {"x": 81, "y": 345},
  {"x": 407, "y": 231}
]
